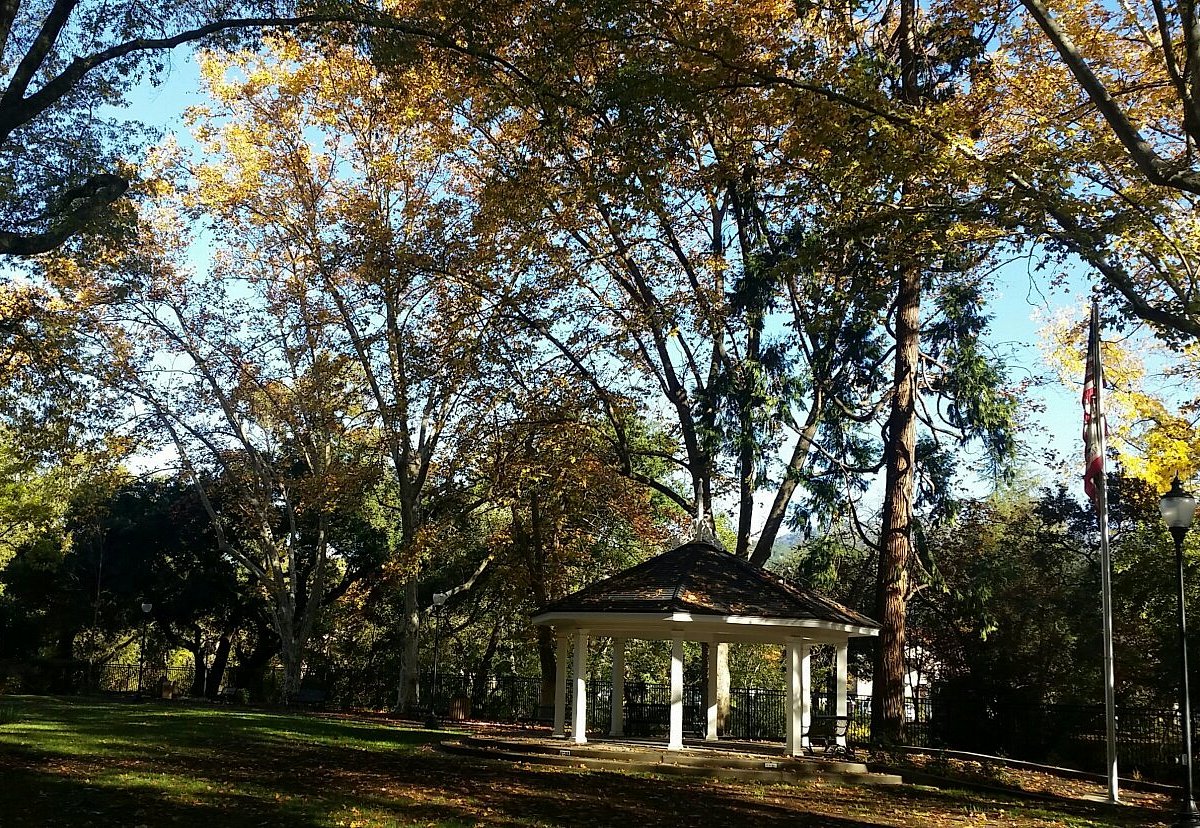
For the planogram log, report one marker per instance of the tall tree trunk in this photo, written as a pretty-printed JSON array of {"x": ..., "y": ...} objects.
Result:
[
  {"x": 216, "y": 671},
  {"x": 887, "y": 701},
  {"x": 252, "y": 668},
  {"x": 484, "y": 668},
  {"x": 787, "y": 487},
  {"x": 410, "y": 667},
  {"x": 895, "y": 543},
  {"x": 283, "y": 615},
  {"x": 292, "y": 657}
]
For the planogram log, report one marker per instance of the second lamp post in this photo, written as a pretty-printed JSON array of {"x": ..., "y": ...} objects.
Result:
[
  {"x": 439, "y": 601},
  {"x": 146, "y": 607},
  {"x": 1178, "y": 508}
]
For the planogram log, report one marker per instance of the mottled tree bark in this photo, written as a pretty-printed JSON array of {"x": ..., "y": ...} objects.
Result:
[{"x": 887, "y": 703}]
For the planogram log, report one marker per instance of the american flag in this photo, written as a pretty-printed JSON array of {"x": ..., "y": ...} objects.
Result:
[{"x": 1095, "y": 429}]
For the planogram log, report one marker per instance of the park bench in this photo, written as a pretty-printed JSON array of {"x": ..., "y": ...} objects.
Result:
[
  {"x": 312, "y": 696},
  {"x": 232, "y": 694},
  {"x": 828, "y": 735},
  {"x": 541, "y": 714},
  {"x": 647, "y": 718}
]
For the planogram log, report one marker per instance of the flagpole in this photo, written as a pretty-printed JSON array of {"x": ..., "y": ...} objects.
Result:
[
  {"x": 1101, "y": 483},
  {"x": 1110, "y": 704}
]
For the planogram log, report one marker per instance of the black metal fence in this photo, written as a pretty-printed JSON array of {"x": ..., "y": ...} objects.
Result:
[
  {"x": 755, "y": 713},
  {"x": 123, "y": 678},
  {"x": 68, "y": 676},
  {"x": 1149, "y": 742}
]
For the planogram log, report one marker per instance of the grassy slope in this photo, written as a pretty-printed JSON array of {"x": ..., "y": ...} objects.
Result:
[{"x": 72, "y": 762}]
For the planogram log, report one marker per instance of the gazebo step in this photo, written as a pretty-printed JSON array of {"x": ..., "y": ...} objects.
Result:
[
  {"x": 699, "y": 757},
  {"x": 767, "y": 769}
]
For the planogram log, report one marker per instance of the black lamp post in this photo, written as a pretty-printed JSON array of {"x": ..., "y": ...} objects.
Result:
[
  {"x": 439, "y": 601},
  {"x": 1178, "y": 507},
  {"x": 146, "y": 607}
]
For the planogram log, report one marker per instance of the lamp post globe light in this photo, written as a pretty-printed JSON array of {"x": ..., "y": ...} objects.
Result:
[
  {"x": 146, "y": 607},
  {"x": 1178, "y": 508}
]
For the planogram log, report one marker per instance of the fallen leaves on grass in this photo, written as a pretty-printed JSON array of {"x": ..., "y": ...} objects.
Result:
[{"x": 999, "y": 775}]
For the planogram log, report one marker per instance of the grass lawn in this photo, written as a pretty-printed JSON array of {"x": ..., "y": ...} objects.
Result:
[{"x": 92, "y": 762}]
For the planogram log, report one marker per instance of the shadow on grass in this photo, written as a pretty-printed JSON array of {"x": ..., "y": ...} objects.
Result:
[
  {"x": 529, "y": 798},
  {"x": 70, "y": 762},
  {"x": 35, "y": 797}
]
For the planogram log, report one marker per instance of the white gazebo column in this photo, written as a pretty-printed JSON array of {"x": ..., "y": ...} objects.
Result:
[
  {"x": 795, "y": 722},
  {"x": 710, "y": 732},
  {"x": 675, "y": 742},
  {"x": 560, "y": 686},
  {"x": 842, "y": 661},
  {"x": 618, "y": 688},
  {"x": 580, "y": 727},
  {"x": 805, "y": 691}
]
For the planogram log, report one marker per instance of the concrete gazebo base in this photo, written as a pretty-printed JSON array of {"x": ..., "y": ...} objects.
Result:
[{"x": 730, "y": 761}]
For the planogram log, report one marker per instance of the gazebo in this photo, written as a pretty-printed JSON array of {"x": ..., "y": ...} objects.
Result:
[{"x": 698, "y": 592}]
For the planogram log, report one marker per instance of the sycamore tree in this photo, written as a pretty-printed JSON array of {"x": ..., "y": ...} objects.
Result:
[
  {"x": 72, "y": 172},
  {"x": 639, "y": 201},
  {"x": 229, "y": 381},
  {"x": 318, "y": 167},
  {"x": 67, "y": 65},
  {"x": 67, "y": 155},
  {"x": 649, "y": 208}
]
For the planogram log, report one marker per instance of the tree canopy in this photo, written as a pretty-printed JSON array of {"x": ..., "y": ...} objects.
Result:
[{"x": 484, "y": 303}]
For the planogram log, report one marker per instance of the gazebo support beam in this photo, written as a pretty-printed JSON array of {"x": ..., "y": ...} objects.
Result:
[
  {"x": 799, "y": 695},
  {"x": 794, "y": 726},
  {"x": 560, "y": 687},
  {"x": 675, "y": 741},
  {"x": 842, "y": 660},
  {"x": 710, "y": 732},
  {"x": 618, "y": 688},
  {"x": 579, "y": 729},
  {"x": 805, "y": 691}
]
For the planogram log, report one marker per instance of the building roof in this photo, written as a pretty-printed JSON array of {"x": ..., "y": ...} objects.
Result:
[{"x": 698, "y": 579}]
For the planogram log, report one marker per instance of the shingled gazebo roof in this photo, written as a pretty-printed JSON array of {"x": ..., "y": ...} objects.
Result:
[{"x": 704, "y": 590}]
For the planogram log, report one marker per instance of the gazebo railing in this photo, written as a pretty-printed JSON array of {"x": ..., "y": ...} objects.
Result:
[{"x": 755, "y": 713}]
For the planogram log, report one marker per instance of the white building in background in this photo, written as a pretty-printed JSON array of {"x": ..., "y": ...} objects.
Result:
[{"x": 917, "y": 681}]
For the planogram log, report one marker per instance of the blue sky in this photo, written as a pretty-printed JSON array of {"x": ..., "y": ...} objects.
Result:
[{"x": 1020, "y": 309}]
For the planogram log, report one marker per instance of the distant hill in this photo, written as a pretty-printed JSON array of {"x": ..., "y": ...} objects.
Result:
[{"x": 784, "y": 543}]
